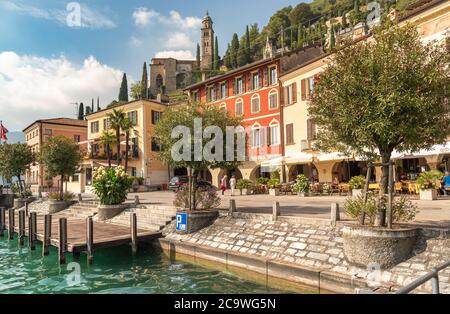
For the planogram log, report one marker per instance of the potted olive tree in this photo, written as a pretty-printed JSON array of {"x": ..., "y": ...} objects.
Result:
[
  {"x": 111, "y": 185},
  {"x": 427, "y": 182},
  {"x": 302, "y": 185},
  {"x": 274, "y": 186},
  {"x": 243, "y": 185},
  {"x": 356, "y": 184}
]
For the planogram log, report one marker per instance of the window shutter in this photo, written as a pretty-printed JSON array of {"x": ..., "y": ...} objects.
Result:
[
  {"x": 303, "y": 82},
  {"x": 285, "y": 96},
  {"x": 261, "y": 74},
  {"x": 294, "y": 92},
  {"x": 269, "y": 135},
  {"x": 249, "y": 82},
  {"x": 234, "y": 87},
  {"x": 153, "y": 117},
  {"x": 226, "y": 88},
  {"x": 266, "y": 76},
  {"x": 262, "y": 136},
  {"x": 217, "y": 90}
]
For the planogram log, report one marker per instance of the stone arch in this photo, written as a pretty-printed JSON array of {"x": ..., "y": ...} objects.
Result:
[
  {"x": 309, "y": 170},
  {"x": 346, "y": 169}
]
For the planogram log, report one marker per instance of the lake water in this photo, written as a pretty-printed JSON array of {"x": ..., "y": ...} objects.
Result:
[{"x": 114, "y": 271}]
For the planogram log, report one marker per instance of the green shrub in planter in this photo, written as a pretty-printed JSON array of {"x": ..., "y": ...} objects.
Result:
[
  {"x": 302, "y": 184},
  {"x": 428, "y": 179},
  {"x": 357, "y": 182},
  {"x": 243, "y": 184},
  {"x": 273, "y": 183},
  {"x": 262, "y": 181},
  {"x": 67, "y": 196},
  {"x": 111, "y": 185}
]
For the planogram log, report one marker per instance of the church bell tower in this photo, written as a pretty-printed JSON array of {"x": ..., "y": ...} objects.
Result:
[{"x": 207, "y": 42}]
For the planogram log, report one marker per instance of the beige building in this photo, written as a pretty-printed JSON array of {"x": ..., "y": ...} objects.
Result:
[
  {"x": 38, "y": 133},
  {"x": 433, "y": 22},
  {"x": 143, "y": 150}
]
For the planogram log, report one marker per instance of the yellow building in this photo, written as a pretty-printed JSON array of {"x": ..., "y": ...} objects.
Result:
[
  {"x": 433, "y": 23},
  {"x": 143, "y": 148}
]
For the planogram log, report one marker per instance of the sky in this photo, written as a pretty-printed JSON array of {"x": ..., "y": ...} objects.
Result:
[{"x": 51, "y": 57}]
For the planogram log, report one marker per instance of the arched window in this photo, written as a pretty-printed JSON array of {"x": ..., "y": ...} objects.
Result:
[
  {"x": 256, "y": 103},
  {"x": 256, "y": 136},
  {"x": 274, "y": 133},
  {"x": 239, "y": 107},
  {"x": 223, "y": 106},
  {"x": 273, "y": 99}
]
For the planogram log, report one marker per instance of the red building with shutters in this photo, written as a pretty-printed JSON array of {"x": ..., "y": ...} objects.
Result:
[{"x": 253, "y": 92}]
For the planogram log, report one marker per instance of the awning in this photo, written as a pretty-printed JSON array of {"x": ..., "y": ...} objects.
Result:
[
  {"x": 435, "y": 150},
  {"x": 86, "y": 142},
  {"x": 273, "y": 162},
  {"x": 332, "y": 156},
  {"x": 298, "y": 158}
]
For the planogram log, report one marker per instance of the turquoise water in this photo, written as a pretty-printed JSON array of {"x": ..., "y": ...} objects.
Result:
[{"x": 114, "y": 271}]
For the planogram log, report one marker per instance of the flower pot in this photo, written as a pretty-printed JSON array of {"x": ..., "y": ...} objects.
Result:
[
  {"x": 244, "y": 192},
  {"x": 274, "y": 192},
  {"x": 302, "y": 194},
  {"x": 106, "y": 212},
  {"x": 385, "y": 248},
  {"x": 428, "y": 195},
  {"x": 357, "y": 192},
  {"x": 57, "y": 206}
]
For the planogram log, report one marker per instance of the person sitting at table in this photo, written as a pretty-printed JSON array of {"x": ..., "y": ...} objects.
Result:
[
  {"x": 335, "y": 182},
  {"x": 446, "y": 183}
]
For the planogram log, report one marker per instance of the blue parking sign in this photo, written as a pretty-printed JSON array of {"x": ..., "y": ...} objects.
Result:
[{"x": 181, "y": 222}]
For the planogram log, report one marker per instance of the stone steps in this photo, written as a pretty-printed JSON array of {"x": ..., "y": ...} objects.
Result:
[{"x": 150, "y": 218}]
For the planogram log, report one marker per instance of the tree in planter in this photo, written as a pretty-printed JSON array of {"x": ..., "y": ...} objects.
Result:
[
  {"x": 384, "y": 95},
  {"x": 107, "y": 139},
  {"x": 357, "y": 182},
  {"x": 127, "y": 127},
  {"x": 61, "y": 157},
  {"x": 428, "y": 179},
  {"x": 116, "y": 119},
  {"x": 185, "y": 117},
  {"x": 15, "y": 159},
  {"x": 243, "y": 184},
  {"x": 301, "y": 184},
  {"x": 111, "y": 185}
]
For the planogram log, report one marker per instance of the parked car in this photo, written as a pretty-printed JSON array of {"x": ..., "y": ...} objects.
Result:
[{"x": 176, "y": 182}]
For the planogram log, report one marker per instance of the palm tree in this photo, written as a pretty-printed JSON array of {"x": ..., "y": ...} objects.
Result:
[
  {"x": 116, "y": 119},
  {"x": 107, "y": 139},
  {"x": 127, "y": 127}
]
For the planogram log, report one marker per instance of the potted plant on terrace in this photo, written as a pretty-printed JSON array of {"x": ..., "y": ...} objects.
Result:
[
  {"x": 356, "y": 184},
  {"x": 427, "y": 182},
  {"x": 111, "y": 185},
  {"x": 261, "y": 185},
  {"x": 302, "y": 185},
  {"x": 274, "y": 186},
  {"x": 243, "y": 185}
]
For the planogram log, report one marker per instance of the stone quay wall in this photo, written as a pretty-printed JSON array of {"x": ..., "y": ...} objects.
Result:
[{"x": 309, "y": 246}]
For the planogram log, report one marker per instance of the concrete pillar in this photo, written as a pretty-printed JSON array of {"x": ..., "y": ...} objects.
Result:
[
  {"x": 276, "y": 210},
  {"x": 335, "y": 215},
  {"x": 325, "y": 170},
  {"x": 232, "y": 207},
  {"x": 80, "y": 198}
]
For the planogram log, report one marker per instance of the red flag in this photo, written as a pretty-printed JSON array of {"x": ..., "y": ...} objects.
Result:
[{"x": 3, "y": 132}]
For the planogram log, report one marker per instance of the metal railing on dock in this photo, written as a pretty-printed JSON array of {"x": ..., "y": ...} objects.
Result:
[{"x": 432, "y": 275}]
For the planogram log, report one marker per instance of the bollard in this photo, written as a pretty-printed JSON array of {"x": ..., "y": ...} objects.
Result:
[
  {"x": 40, "y": 192},
  {"x": 26, "y": 209},
  {"x": 11, "y": 223},
  {"x": 335, "y": 213},
  {"x": 2, "y": 221},
  {"x": 80, "y": 197},
  {"x": 136, "y": 200},
  {"x": 89, "y": 240},
  {"x": 232, "y": 208},
  {"x": 276, "y": 210},
  {"x": 32, "y": 230},
  {"x": 47, "y": 234},
  {"x": 134, "y": 240},
  {"x": 62, "y": 245},
  {"x": 21, "y": 235}
]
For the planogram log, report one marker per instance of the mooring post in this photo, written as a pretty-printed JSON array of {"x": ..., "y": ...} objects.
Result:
[
  {"x": 26, "y": 209},
  {"x": 40, "y": 192},
  {"x": 335, "y": 215},
  {"x": 21, "y": 236},
  {"x": 11, "y": 223},
  {"x": 47, "y": 234},
  {"x": 32, "y": 230},
  {"x": 80, "y": 197},
  {"x": 276, "y": 210},
  {"x": 2, "y": 221},
  {"x": 62, "y": 247},
  {"x": 89, "y": 239},
  {"x": 134, "y": 240},
  {"x": 232, "y": 208}
]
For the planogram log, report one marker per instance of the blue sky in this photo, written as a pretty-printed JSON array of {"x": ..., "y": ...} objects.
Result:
[{"x": 114, "y": 36}]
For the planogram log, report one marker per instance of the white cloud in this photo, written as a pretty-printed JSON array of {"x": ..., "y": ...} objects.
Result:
[
  {"x": 177, "y": 54},
  {"x": 179, "y": 41},
  {"x": 34, "y": 88},
  {"x": 186, "y": 22},
  {"x": 89, "y": 18},
  {"x": 135, "y": 41},
  {"x": 144, "y": 16}
]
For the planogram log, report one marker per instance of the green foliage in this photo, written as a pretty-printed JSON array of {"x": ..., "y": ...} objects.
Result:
[
  {"x": 302, "y": 184},
  {"x": 144, "y": 83},
  {"x": 205, "y": 198},
  {"x": 273, "y": 183},
  {"x": 234, "y": 50},
  {"x": 135, "y": 90},
  {"x": 357, "y": 182},
  {"x": 123, "y": 93},
  {"x": 81, "y": 112},
  {"x": 429, "y": 179},
  {"x": 403, "y": 209},
  {"x": 243, "y": 184},
  {"x": 67, "y": 196},
  {"x": 111, "y": 185},
  {"x": 116, "y": 121},
  {"x": 15, "y": 159},
  {"x": 262, "y": 181},
  {"x": 197, "y": 56},
  {"x": 216, "y": 55}
]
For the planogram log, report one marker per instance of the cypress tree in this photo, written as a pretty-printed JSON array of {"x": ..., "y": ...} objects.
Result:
[
  {"x": 227, "y": 57},
  {"x": 88, "y": 110},
  {"x": 123, "y": 93},
  {"x": 144, "y": 82},
  {"x": 81, "y": 112},
  {"x": 98, "y": 104},
  {"x": 234, "y": 51},
  {"x": 216, "y": 54},
  {"x": 198, "y": 55}
]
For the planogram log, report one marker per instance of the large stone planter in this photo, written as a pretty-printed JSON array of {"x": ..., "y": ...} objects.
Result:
[
  {"x": 302, "y": 194},
  {"x": 274, "y": 192},
  {"x": 381, "y": 247},
  {"x": 357, "y": 192},
  {"x": 57, "y": 206},
  {"x": 245, "y": 192},
  {"x": 199, "y": 219},
  {"x": 105, "y": 212},
  {"x": 20, "y": 202},
  {"x": 428, "y": 195}
]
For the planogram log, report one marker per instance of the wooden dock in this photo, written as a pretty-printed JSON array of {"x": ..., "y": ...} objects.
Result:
[{"x": 71, "y": 235}]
